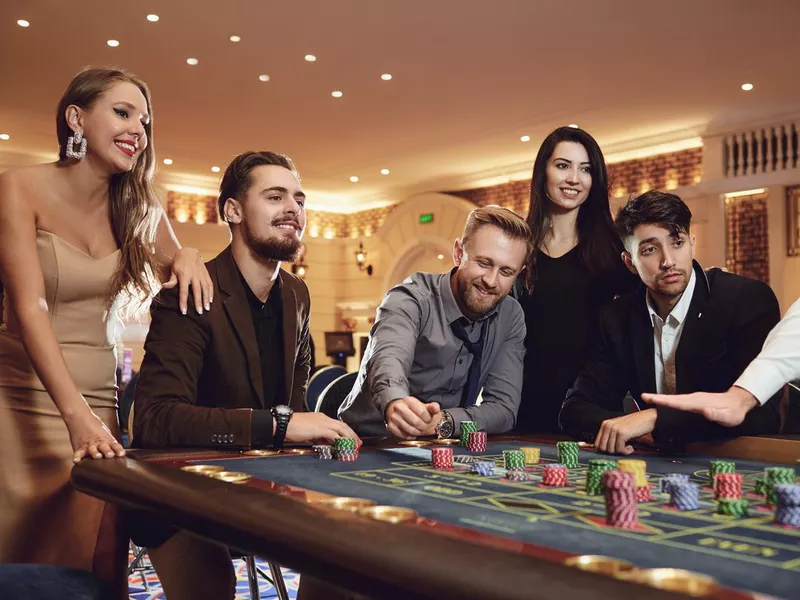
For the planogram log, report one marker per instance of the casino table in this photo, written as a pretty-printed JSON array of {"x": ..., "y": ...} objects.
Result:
[{"x": 454, "y": 534}]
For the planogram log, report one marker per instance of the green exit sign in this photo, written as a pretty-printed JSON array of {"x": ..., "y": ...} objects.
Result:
[{"x": 426, "y": 218}]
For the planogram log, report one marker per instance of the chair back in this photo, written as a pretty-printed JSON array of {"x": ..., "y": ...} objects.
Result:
[
  {"x": 319, "y": 381},
  {"x": 332, "y": 396}
]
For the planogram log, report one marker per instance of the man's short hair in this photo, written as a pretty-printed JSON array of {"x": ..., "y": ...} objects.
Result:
[
  {"x": 506, "y": 220},
  {"x": 653, "y": 208},
  {"x": 236, "y": 180}
]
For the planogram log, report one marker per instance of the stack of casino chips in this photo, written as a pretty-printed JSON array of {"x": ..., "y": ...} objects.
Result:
[
  {"x": 760, "y": 486},
  {"x": 728, "y": 485},
  {"x": 467, "y": 427},
  {"x": 476, "y": 441},
  {"x": 621, "y": 507},
  {"x": 531, "y": 454},
  {"x": 667, "y": 481},
  {"x": 554, "y": 475},
  {"x": 442, "y": 457},
  {"x": 345, "y": 448},
  {"x": 464, "y": 459},
  {"x": 733, "y": 507},
  {"x": 568, "y": 453},
  {"x": 323, "y": 452},
  {"x": 684, "y": 495},
  {"x": 720, "y": 466},
  {"x": 787, "y": 496},
  {"x": 482, "y": 467},
  {"x": 594, "y": 477},
  {"x": 514, "y": 464},
  {"x": 637, "y": 468},
  {"x": 774, "y": 476}
]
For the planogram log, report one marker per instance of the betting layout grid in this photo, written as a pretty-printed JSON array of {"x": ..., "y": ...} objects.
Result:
[{"x": 528, "y": 510}]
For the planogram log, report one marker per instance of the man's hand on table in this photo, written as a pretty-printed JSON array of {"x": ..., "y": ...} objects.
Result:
[
  {"x": 317, "y": 428},
  {"x": 615, "y": 434},
  {"x": 728, "y": 409},
  {"x": 409, "y": 417}
]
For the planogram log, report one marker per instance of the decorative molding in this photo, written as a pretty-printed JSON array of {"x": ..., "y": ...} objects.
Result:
[{"x": 793, "y": 220}]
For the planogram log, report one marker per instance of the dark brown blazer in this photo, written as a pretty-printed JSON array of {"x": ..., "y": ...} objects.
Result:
[{"x": 201, "y": 376}]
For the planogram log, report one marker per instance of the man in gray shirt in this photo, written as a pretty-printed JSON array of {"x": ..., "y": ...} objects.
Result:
[{"x": 417, "y": 377}]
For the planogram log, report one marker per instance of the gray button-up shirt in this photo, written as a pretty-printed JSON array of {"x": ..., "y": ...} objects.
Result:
[{"x": 412, "y": 351}]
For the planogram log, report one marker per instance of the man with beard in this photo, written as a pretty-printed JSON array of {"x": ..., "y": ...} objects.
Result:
[
  {"x": 234, "y": 377},
  {"x": 685, "y": 330},
  {"x": 439, "y": 338}
]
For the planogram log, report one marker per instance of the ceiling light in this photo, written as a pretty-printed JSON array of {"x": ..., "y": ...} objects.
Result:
[
  {"x": 167, "y": 161},
  {"x": 525, "y": 138},
  {"x": 152, "y": 18},
  {"x": 384, "y": 171},
  {"x": 215, "y": 169},
  {"x": 113, "y": 43},
  {"x": 192, "y": 61},
  {"x": 386, "y": 76},
  {"x": 5, "y": 137},
  {"x": 440, "y": 256},
  {"x": 354, "y": 179},
  {"x": 310, "y": 58},
  {"x": 747, "y": 87},
  {"x": 573, "y": 125},
  {"x": 235, "y": 38},
  {"x": 337, "y": 94},
  {"x": 263, "y": 77},
  {"x": 23, "y": 23}
]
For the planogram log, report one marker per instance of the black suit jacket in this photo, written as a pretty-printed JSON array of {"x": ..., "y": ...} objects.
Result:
[
  {"x": 728, "y": 320},
  {"x": 200, "y": 380}
]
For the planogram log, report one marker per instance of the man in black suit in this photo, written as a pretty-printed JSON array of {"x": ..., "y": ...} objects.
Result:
[{"x": 685, "y": 330}]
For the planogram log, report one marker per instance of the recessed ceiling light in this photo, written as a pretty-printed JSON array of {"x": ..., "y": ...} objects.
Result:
[
  {"x": 113, "y": 43},
  {"x": 354, "y": 179},
  {"x": 337, "y": 94},
  {"x": 23, "y": 23},
  {"x": 152, "y": 18},
  {"x": 573, "y": 125},
  {"x": 384, "y": 171},
  {"x": 263, "y": 77},
  {"x": 235, "y": 38},
  {"x": 215, "y": 169},
  {"x": 386, "y": 76},
  {"x": 167, "y": 161},
  {"x": 525, "y": 138},
  {"x": 440, "y": 256},
  {"x": 310, "y": 58},
  {"x": 5, "y": 137},
  {"x": 192, "y": 61},
  {"x": 747, "y": 87}
]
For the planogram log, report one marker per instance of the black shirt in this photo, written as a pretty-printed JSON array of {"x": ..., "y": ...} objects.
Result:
[
  {"x": 559, "y": 316},
  {"x": 268, "y": 324}
]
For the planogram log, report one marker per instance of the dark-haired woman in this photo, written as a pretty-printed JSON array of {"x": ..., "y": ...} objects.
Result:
[
  {"x": 575, "y": 268},
  {"x": 79, "y": 240}
]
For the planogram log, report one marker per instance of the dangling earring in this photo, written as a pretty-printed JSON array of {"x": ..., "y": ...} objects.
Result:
[{"x": 76, "y": 139}]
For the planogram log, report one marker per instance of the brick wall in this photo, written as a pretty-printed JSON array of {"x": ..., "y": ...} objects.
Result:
[
  {"x": 191, "y": 207},
  {"x": 747, "y": 247}
]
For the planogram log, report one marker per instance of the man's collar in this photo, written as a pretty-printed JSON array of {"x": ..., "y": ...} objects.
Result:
[
  {"x": 451, "y": 309},
  {"x": 678, "y": 311}
]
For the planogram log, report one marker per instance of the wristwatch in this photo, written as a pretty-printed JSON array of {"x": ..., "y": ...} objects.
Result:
[
  {"x": 282, "y": 414},
  {"x": 446, "y": 427}
]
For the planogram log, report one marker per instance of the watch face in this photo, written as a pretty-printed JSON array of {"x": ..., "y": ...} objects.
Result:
[{"x": 283, "y": 410}]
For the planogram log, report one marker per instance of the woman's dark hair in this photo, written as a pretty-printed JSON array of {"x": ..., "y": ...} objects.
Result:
[{"x": 598, "y": 243}]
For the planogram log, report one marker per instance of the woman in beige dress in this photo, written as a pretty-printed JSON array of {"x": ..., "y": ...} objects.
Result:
[{"x": 80, "y": 240}]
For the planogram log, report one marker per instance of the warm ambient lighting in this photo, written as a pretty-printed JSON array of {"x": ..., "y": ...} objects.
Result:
[
  {"x": 23, "y": 23},
  {"x": 385, "y": 171},
  {"x": 747, "y": 87},
  {"x": 192, "y": 61},
  {"x": 361, "y": 259},
  {"x": 386, "y": 76},
  {"x": 215, "y": 169},
  {"x": 337, "y": 94},
  {"x": 573, "y": 125},
  {"x": 263, "y": 77},
  {"x": 152, "y": 18},
  {"x": 525, "y": 138},
  {"x": 310, "y": 58},
  {"x": 235, "y": 39},
  {"x": 354, "y": 179},
  {"x": 113, "y": 43},
  {"x": 745, "y": 193},
  {"x": 5, "y": 137},
  {"x": 167, "y": 161}
]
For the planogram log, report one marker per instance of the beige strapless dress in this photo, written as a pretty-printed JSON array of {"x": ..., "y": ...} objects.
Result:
[{"x": 42, "y": 519}]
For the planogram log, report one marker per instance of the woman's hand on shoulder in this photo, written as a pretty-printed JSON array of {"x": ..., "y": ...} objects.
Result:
[{"x": 189, "y": 271}]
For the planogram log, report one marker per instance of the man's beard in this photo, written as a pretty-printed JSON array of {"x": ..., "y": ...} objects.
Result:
[
  {"x": 274, "y": 247},
  {"x": 476, "y": 304}
]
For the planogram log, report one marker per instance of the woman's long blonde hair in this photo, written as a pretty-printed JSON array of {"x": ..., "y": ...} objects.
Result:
[{"x": 133, "y": 209}]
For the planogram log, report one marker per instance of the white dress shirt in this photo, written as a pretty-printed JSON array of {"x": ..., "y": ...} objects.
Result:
[
  {"x": 666, "y": 335},
  {"x": 778, "y": 362}
]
